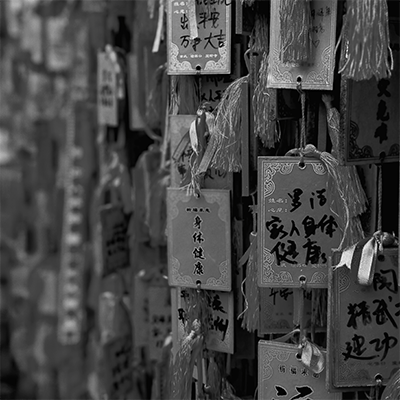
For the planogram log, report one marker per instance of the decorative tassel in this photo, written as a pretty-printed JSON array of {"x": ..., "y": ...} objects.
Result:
[
  {"x": 295, "y": 31},
  {"x": 349, "y": 174},
  {"x": 228, "y": 124},
  {"x": 184, "y": 363},
  {"x": 251, "y": 313},
  {"x": 155, "y": 115},
  {"x": 365, "y": 41},
  {"x": 202, "y": 129},
  {"x": 264, "y": 108},
  {"x": 214, "y": 380},
  {"x": 229, "y": 392},
  {"x": 392, "y": 390}
]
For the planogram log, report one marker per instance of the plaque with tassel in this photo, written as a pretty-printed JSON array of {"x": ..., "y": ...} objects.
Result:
[{"x": 302, "y": 44}]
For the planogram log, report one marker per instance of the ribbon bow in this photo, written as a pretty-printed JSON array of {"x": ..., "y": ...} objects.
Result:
[
  {"x": 363, "y": 255},
  {"x": 312, "y": 357}
]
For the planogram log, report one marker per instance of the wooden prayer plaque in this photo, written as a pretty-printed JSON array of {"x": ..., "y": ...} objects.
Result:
[
  {"x": 220, "y": 325},
  {"x": 297, "y": 228},
  {"x": 114, "y": 238},
  {"x": 210, "y": 52},
  {"x": 107, "y": 100},
  {"x": 364, "y": 337},
  {"x": 370, "y": 117},
  {"x": 318, "y": 73},
  {"x": 281, "y": 375},
  {"x": 199, "y": 239}
]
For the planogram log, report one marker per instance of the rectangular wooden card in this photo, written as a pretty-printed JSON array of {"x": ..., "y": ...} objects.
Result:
[
  {"x": 115, "y": 244},
  {"x": 364, "y": 337},
  {"x": 370, "y": 117},
  {"x": 317, "y": 74},
  {"x": 281, "y": 375},
  {"x": 181, "y": 152},
  {"x": 159, "y": 319},
  {"x": 199, "y": 239},
  {"x": 220, "y": 336},
  {"x": 277, "y": 310},
  {"x": 107, "y": 100},
  {"x": 210, "y": 52},
  {"x": 297, "y": 228}
]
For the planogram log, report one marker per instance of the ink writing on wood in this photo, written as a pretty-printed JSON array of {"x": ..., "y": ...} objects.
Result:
[
  {"x": 107, "y": 91},
  {"x": 298, "y": 223},
  {"x": 118, "y": 354},
  {"x": 114, "y": 237},
  {"x": 199, "y": 239},
  {"x": 366, "y": 320},
  {"x": 206, "y": 53}
]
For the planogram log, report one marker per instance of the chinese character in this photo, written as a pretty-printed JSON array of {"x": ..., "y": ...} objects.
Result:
[
  {"x": 382, "y": 313},
  {"x": 216, "y": 304},
  {"x": 280, "y": 391},
  {"x": 184, "y": 22},
  {"x": 181, "y": 315},
  {"x": 383, "y": 283},
  {"x": 220, "y": 37},
  {"x": 384, "y": 344},
  {"x": 275, "y": 227},
  {"x": 296, "y": 203},
  {"x": 198, "y": 253},
  {"x": 381, "y": 132},
  {"x": 303, "y": 392},
  {"x": 382, "y": 86},
  {"x": 362, "y": 311},
  {"x": 220, "y": 325},
  {"x": 320, "y": 197},
  {"x": 382, "y": 113},
  {"x": 185, "y": 40},
  {"x": 198, "y": 237},
  {"x": 294, "y": 229},
  {"x": 356, "y": 347},
  {"x": 282, "y": 368},
  {"x": 289, "y": 251},
  {"x": 197, "y": 222},
  {"x": 314, "y": 252},
  {"x": 293, "y": 370},
  {"x": 198, "y": 268}
]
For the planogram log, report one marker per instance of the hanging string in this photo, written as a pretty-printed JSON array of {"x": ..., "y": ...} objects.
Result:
[
  {"x": 303, "y": 114},
  {"x": 379, "y": 198}
]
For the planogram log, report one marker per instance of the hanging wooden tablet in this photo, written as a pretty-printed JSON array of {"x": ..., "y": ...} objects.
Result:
[
  {"x": 281, "y": 375},
  {"x": 199, "y": 239},
  {"x": 220, "y": 329},
  {"x": 276, "y": 311},
  {"x": 115, "y": 246},
  {"x": 317, "y": 72},
  {"x": 364, "y": 337},
  {"x": 107, "y": 96},
  {"x": 199, "y": 37},
  {"x": 370, "y": 116},
  {"x": 159, "y": 319},
  {"x": 297, "y": 224}
]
